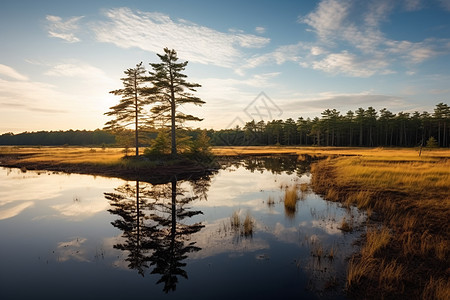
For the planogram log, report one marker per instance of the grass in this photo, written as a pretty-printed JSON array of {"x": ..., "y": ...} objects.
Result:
[
  {"x": 291, "y": 197},
  {"x": 243, "y": 227},
  {"x": 96, "y": 161},
  {"x": 410, "y": 196},
  {"x": 346, "y": 226}
]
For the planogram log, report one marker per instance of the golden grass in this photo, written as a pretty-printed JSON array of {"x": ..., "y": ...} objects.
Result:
[
  {"x": 244, "y": 228},
  {"x": 417, "y": 177},
  {"x": 290, "y": 199},
  {"x": 375, "y": 241},
  {"x": 67, "y": 155},
  {"x": 410, "y": 196},
  {"x": 394, "y": 154}
]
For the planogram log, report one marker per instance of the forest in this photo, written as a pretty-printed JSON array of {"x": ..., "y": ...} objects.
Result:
[{"x": 362, "y": 127}]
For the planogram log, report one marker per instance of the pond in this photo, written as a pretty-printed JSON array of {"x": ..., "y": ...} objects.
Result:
[{"x": 231, "y": 234}]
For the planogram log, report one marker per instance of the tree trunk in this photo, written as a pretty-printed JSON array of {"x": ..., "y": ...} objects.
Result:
[
  {"x": 360, "y": 135},
  {"x": 138, "y": 212},
  {"x": 172, "y": 116},
  {"x": 136, "y": 135}
]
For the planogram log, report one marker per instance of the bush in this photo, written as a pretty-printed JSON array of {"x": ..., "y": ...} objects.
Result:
[{"x": 432, "y": 143}]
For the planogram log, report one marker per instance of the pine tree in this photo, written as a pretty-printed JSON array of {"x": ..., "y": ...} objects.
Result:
[
  {"x": 172, "y": 90},
  {"x": 130, "y": 110}
]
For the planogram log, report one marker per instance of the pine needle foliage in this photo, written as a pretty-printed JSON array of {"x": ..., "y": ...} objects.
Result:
[{"x": 172, "y": 90}]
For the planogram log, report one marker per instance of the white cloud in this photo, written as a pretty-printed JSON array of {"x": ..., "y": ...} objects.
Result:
[
  {"x": 260, "y": 30},
  {"x": 356, "y": 46},
  {"x": 330, "y": 14},
  {"x": 63, "y": 29},
  {"x": 11, "y": 73},
  {"x": 152, "y": 32},
  {"x": 349, "y": 64}
]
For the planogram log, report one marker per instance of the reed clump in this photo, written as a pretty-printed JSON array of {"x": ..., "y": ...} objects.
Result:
[
  {"x": 243, "y": 227},
  {"x": 290, "y": 200}
]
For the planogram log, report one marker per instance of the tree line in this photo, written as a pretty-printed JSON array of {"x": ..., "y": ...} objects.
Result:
[
  {"x": 58, "y": 138},
  {"x": 362, "y": 127}
]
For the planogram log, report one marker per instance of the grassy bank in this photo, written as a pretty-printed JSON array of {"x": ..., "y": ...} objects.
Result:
[
  {"x": 406, "y": 249},
  {"x": 97, "y": 161}
]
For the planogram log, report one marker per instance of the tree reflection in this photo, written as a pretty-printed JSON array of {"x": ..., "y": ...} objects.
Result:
[
  {"x": 154, "y": 221},
  {"x": 299, "y": 164}
]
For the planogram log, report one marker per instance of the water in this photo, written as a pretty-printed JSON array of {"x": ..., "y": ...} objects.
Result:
[{"x": 77, "y": 236}]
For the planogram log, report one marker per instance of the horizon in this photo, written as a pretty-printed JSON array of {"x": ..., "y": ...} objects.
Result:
[{"x": 61, "y": 60}]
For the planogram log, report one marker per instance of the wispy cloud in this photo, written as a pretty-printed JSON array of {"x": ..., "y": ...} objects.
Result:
[
  {"x": 260, "y": 30},
  {"x": 11, "y": 73},
  {"x": 152, "y": 32},
  {"x": 63, "y": 29},
  {"x": 445, "y": 4},
  {"x": 356, "y": 46},
  {"x": 79, "y": 70}
]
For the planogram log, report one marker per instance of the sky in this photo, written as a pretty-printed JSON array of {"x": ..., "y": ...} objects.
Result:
[{"x": 259, "y": 60}]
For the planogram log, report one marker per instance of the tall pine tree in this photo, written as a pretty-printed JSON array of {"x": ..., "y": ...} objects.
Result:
[
  {"x": 172, "y": 90},
  {"x": 130, "y": 110}
]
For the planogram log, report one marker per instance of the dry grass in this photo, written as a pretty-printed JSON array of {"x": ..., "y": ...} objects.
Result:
[
  {"x": 387, "y": 154},
  {"x": 244, "y": 228},
  {"x": 67, "y": 155},
  {"x": 290, "y": 200},
  {"x": 235, "y": 221},
  {"x": 346, "y": 226},
  {"x": 410, "y": 196},
  {"x": 436, "y": 289},
  {"x": 376, "y": 240}
]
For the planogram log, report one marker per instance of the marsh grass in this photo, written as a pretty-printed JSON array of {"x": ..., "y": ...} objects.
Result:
[
  {"x": 242, "y": 227},
  {"x": 291, "y": 197},
  {"x": 409, "y": 195},
  {"x": 376, "y": 240},
  {"x": 346, "y": 225},
  {"x": 290, "y": 200},
  {"x": 438, "y": 289}
]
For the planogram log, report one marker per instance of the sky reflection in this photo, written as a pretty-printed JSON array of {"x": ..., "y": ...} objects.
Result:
[{"x": 178, "y": 235}]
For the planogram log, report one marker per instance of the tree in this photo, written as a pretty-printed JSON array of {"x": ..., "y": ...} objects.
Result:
[
  {"x": 371, "y": 120},
  {"x": 130, "y": 110},
  {"x": 172, "y": 90},
  {"x": 432, "y": 143},
  {"x": 360, "y": 118}
]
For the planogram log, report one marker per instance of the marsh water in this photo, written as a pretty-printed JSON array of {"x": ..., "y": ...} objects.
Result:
[{"x": 226, "y": 235}]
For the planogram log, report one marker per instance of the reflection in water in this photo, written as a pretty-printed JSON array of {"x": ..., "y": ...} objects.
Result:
[
  {"x": 230, "y": 232},
  {"x": 153, "y": 221},
  {"x": 276, "y": 164}
]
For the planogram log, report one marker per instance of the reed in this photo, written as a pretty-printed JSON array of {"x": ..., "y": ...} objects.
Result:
[
  {"x": 290, "y": 198},
  {"x": 375, "y": 241}
]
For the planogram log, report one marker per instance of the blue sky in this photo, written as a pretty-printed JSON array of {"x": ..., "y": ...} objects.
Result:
[{"x": 59, "y": 59}]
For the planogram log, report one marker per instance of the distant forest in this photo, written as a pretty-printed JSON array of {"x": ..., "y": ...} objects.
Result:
[{"x": 363, "y": 127}]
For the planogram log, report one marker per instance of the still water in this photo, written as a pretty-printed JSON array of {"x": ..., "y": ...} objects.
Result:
[{"x": 227, "y": 235}]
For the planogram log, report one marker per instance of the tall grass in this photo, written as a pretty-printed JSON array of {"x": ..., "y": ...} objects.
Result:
[
  {"x": 376, "y": 240},
  {"x": 410, "y": 196},
  {"x": 290, "y": 200},
  {"x": 242, "y": 227}
]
